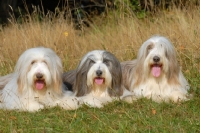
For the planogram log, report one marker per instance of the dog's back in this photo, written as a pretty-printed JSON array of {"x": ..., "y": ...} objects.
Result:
[
  {"x": 127, "y": 72},
  {"x": 69, "y": 78},
  {"x": 4, "y": 80}
]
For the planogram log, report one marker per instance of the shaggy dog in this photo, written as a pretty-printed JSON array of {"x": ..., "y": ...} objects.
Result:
[
  {"x": 36, "y": 83},
  {"x": 97, "y": 79},
  {"x": 155, "y": 73}
]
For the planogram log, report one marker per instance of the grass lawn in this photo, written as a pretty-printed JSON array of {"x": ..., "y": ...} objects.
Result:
[{"x": 141, "y": 116}]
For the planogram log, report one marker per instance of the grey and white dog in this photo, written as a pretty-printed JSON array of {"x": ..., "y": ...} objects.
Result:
[{"x": 97, "y": 79}]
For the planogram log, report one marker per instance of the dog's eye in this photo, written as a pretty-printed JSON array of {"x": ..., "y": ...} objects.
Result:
[
  {"x": 166, "y": 54},
  {"x": 32, "y": 62},
  {"x": 92, "y": 62},
  {"x": 45, "y": 62},
  {"x": 106, "y": 62},
  {"x": 149, "y": 47}
]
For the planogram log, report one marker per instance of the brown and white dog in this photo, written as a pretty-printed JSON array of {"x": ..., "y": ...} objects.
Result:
[{"x": 155, "y": 73}]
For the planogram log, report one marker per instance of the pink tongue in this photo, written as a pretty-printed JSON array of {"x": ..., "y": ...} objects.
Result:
[
  {"x": 156, "y": 71},
  {"x": 98, "y": 81},
  {"x": 39, "y": 84}
]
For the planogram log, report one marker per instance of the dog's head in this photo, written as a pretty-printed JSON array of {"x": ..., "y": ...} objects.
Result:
[
  {"x": 39, "y": 68},
  {"x": 158, "y": 57},
  {"x": 97, "y": 71}
]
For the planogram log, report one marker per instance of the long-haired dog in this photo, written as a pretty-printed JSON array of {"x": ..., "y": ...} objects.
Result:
[
  {"x": 36, "y": 83},
  {"x": 155, "y": 73},
  {"x": 97, "y": 79}
]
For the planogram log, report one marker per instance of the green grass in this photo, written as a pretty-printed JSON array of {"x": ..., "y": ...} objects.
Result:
[{"x": 140, "y": 116}]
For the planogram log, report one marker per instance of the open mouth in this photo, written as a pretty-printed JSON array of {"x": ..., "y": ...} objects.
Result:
[
  {"x": 156, "y": 70},
  {"x": 99, "y": 80},
  {"x": 39, "y": 84}
]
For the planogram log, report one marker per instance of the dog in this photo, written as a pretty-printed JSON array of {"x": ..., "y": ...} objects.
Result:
[
  {"x": 36, "y": 83},
  {"x": 155, "y": 74},
  {"x": 97, "y": 79}
]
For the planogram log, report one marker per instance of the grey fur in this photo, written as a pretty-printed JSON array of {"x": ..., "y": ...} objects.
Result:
[
  {"x": 116, "y": 72},
  {"x": 69, "y": 76},
  {"x": 78, "y": 77}
]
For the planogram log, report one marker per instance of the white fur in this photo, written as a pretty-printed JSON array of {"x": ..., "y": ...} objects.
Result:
[
  {"x": 96, "y": 99},
  {"x": 171, "y": 85},
  {"x": 20, "y": 92},
  {"x": 99, "y": 65},
  {"x": 160, "y": 90},
  {"x": 99, "y": 99}
]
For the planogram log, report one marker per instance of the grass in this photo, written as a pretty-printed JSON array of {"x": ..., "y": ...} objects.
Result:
[
  {"x": 141, "y": 116},
  {"x": 121, "y": 34}
]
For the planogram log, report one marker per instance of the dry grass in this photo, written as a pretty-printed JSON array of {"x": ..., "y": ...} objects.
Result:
[{"x": 119, "y": 34}]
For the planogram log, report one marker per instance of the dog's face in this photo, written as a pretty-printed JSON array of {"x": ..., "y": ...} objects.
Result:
[
  {"x": 39, "y": 75},
  {"x": 39, "y": 69},
  {"x": 156, "y": 59},
  {"x": 99, "y": 74},
  {"x": 159, "y": 57},
  {"x": 98, "y": 70}
]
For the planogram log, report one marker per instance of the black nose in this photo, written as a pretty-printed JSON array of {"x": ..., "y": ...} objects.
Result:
[
  {"x": 98, "y": 72},
  {"x": 39, "y": 75},
  {"x": 156, "y": 59}
]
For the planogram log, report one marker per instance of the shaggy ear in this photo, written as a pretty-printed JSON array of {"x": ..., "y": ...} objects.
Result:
[
  {"x": 57, "y": 74},
  {"x": 116, "y": 72},
  {"x": 80, "y": 85},
  {"x": 174, "y": 68},
  {"x": 21, "y": 76},
  {"x": 139, "y": 69},
  {"x": 116, "y": 89},
  {"x": 57, "y": 81},
  {"x": 20, "y": 83}
]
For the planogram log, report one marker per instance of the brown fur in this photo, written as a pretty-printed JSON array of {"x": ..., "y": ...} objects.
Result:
[
  {"x": 174, "y": 70},
  {"x": 57, "y": 84},
  {"x": 20, "y": 85}
]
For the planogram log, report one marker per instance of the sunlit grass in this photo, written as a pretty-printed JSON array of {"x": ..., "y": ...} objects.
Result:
[{"x": 141, "y": 116}]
